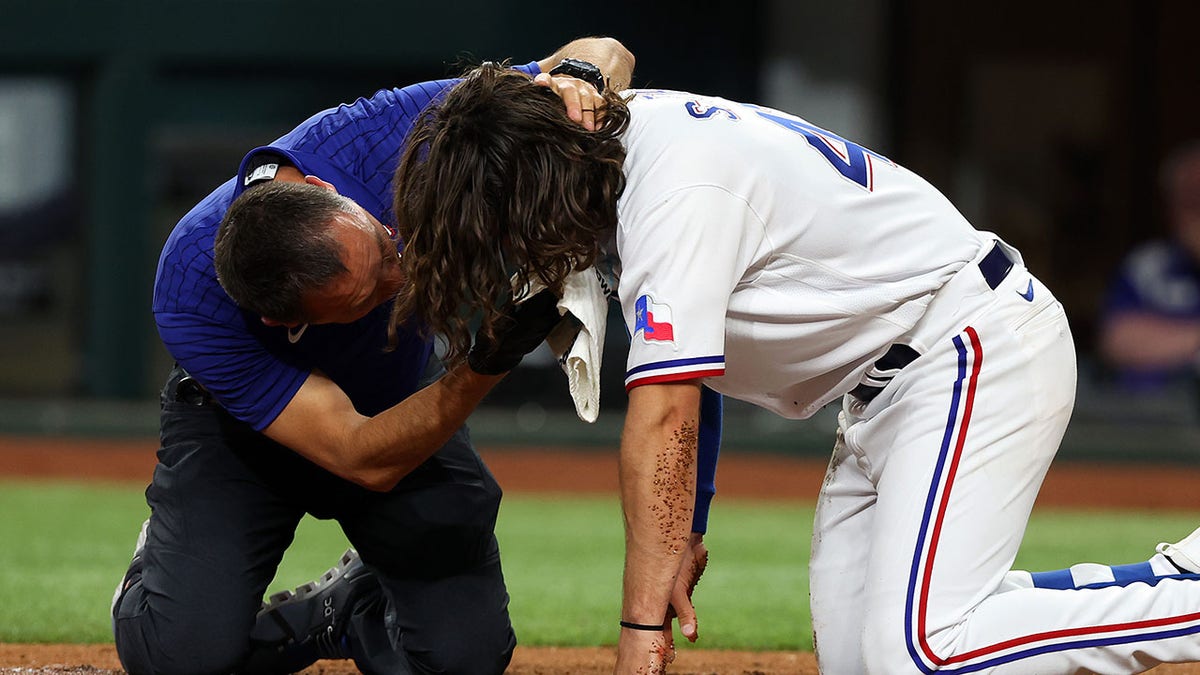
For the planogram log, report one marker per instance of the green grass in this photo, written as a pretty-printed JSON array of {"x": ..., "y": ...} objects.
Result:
[
  {"x": 65, "y": 546},
  {"x": 563, "y": 559}
]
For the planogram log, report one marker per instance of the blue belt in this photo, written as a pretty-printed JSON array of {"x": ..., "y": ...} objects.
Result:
[{"x": 995, "y": 266}]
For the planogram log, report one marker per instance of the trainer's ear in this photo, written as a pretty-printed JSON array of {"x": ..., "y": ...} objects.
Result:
[{"x": 313, "y": 180}]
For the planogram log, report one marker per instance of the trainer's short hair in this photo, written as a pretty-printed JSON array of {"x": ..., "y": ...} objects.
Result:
[{"x": 274, "y": 244}]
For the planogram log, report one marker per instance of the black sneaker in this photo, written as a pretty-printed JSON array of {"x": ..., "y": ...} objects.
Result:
[
  {"x": 131, "y": 573},
  {"x": 296, "y": 628}
]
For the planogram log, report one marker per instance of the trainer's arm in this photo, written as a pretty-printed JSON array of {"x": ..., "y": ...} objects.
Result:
[
  {"x": 321, "y": 424},
  {"x": 658, "y": 478},
  {"x": 607, "y": 54},
  {"x": 583, "y": 103}
]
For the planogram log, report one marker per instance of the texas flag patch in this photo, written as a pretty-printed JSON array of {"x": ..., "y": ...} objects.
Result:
[{"x": 653, "y": 321}]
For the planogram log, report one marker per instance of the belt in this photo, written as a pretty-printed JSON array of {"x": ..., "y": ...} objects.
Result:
[
  {"x": 189, "y": 390},
  {"x": 994, "y": 266},
  {"x": 883, "y": 370}
]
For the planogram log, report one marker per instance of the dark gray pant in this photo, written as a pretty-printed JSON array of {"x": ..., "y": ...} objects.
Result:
[{"x": 225, "y": 501}]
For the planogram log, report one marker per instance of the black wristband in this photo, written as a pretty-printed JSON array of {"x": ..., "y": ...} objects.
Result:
[
  {"x": 518, "y": 331},
  {"x": 643, "y": 626},
  {"x": 578, "y": 68}
]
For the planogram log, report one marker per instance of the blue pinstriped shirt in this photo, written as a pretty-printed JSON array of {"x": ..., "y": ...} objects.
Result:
[{"x": 253, "y": 370}]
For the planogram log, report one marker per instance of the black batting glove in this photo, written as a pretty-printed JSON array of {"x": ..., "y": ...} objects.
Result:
[{"x": 518, "y": 332}]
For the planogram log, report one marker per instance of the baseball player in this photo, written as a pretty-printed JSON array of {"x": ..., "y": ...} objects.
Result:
[
  {"x": 783, "y": 265},
  {"x": 290, "y": 397}
]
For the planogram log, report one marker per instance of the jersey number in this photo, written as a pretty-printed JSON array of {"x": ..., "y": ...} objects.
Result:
[{"x": 854, "y": 163}]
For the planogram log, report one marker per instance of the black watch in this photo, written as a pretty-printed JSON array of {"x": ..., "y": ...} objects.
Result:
[{"x": 588, "y": 72}]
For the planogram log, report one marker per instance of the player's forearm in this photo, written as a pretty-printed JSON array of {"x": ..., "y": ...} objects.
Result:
[
  {"x": 389, "y": 445},
  {"x": 658, "y": 476},
  {"x": 607, "y": 54}
]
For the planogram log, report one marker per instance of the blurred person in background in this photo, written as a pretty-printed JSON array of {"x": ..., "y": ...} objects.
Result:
[
  {"x": 1150, "y": 334},
  {"x": 289, "y": 397}
]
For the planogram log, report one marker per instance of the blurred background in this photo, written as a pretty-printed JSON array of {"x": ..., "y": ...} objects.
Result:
[{"x": 1045, "y": 122}]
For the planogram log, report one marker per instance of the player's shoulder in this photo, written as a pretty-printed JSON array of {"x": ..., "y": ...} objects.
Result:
[
  {"x": 683, "y": 123},
  {"x": 694, "y": 135},
  {"x": 663, "y": 106},
  {"x": 666, "y": 98}
]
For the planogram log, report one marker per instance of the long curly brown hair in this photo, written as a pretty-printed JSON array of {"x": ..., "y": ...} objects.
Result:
[{"x": 496, "y": 180}]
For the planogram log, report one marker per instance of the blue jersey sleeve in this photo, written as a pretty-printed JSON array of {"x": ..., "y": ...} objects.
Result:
[
  {"x": 367, "y": 137},
  {"x": 361, "y": 141},
  {"x": 708, "y": 449},
  {"x": 250, "y": 382},
  {"x": 530, "y": 68}
]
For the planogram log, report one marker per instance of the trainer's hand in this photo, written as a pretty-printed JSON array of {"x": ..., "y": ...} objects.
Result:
[
  {"x": 584, "y": 104},
  {"x": 642, "y": 652},
  {"x": 691, "y": 568},
  {"x": 518, "y": 332}
]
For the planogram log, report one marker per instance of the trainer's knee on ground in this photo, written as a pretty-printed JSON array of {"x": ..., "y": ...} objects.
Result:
[
  {"x": 180, "y": 646},
  {"x": 483, "y": 651},
  {"x": 472, "y": 658}
]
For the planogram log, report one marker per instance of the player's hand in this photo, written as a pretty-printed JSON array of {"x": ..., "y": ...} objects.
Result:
[
  {"x": 691, "y": 568},
  {"x": 584, "y": 104},
  {"x": 522, "y": 328},
  {"x": 643, "y": 652}
]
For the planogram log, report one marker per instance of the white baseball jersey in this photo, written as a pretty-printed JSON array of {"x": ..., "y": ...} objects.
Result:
[
  {"x": 780, "y": 262},
  {"x": 771, "y": 256}
]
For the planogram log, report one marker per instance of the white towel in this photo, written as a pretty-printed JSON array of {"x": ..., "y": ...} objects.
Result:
[{"x": 579, "y": 343}]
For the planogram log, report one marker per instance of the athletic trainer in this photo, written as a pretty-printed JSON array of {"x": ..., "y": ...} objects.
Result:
[{"x": 290, "y": 397}]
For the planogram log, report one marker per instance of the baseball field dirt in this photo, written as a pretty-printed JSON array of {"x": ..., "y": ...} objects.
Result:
[{"x": 524, "y": 470}]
